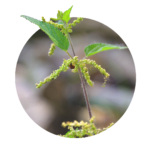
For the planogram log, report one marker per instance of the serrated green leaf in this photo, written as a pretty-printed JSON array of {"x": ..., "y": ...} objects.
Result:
[
  {"x": 53, "y": 32},
  {"x": 99, "y": 47},
  {"x": 66, "y": 15}
]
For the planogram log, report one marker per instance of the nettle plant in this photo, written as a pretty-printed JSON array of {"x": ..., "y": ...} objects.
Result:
[{"x": 58, "y": 29}]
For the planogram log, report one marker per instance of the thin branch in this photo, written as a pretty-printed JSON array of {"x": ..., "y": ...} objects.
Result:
[{"x": 69, "y": 54}]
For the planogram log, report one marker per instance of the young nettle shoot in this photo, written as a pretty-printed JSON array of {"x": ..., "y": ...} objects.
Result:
[{"x": 58, "y": 29}]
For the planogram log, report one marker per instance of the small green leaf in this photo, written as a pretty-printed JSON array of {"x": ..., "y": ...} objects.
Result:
[
  {"x": 53, "y": 32},
  {"x": 99, "y": 47},
  {"x": 66, "y": 15},
  {"x": 68, "y": 132}
]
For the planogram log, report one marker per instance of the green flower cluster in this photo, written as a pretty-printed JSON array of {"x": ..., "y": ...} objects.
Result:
[
  {"x": 69, "y": 26},
  {"x": 55, "y": 74},
  {"x": 43, "y": 19},
  {"x": 85, "y": 72},
  {"x": 52, "y": 49},
  {"x": 75, "y": 22},
  {"x": 52, "y": 21},
  {"x": 102, "y": 71},
  {"x": 77, "y": 64},
  {"x": 86, "y": 129},
  {"x": 64, "y": 28}
]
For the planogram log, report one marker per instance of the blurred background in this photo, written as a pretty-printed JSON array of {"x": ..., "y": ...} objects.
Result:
[{"x": 62, "y": 99}]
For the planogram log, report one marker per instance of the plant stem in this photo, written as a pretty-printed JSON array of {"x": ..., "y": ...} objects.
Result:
[
  {"x": 69, "y": 54},
  {"x": 82, "y": 82}
]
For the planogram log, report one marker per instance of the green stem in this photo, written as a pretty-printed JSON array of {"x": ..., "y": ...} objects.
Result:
[{"x": 69, "y": 54}]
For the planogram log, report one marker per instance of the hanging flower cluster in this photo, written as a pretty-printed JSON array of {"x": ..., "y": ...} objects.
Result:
[
  {"x": 52, "y": 49},
  {"x": 86, "y": 74},
  {"x": 75, "y": 64},
  {"x": 69, "y": 27}
]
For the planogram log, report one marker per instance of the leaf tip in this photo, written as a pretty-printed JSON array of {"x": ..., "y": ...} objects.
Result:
[{"x": 23, "y": 16}]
